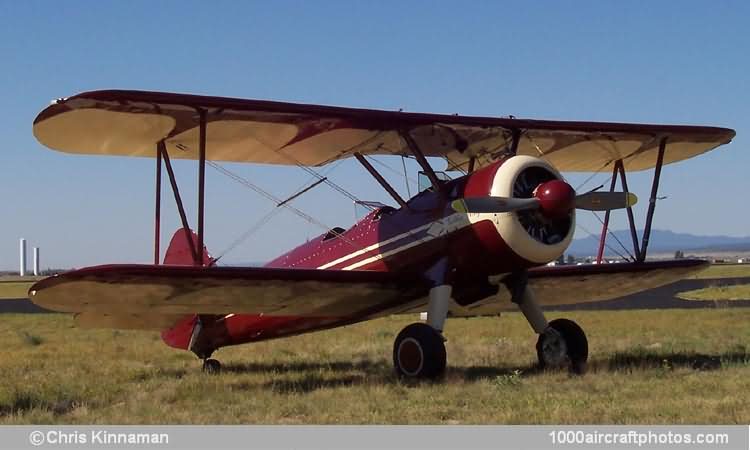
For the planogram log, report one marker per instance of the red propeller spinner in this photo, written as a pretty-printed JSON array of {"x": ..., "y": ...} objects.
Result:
[{"x": 556, "y": 198}]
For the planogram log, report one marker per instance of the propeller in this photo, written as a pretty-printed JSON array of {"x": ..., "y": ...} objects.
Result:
[{"x": 554, "y": 199}]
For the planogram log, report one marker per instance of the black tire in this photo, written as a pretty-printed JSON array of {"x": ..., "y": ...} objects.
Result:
[
  {"x": 419, "y": 352},
  {"x": 211, "y": 366},
  {"x": 577, "y": 346}
]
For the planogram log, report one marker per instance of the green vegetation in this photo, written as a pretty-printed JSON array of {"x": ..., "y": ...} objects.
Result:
[
  {"x": 678, "y": 366},
  {"x": 30, "y": 278},
  {"x": 724, "y": 271},
  {"x": 718, "y": 293},
  {"x": 13, "y": 286},
  {"x": 14, "y": 289}
]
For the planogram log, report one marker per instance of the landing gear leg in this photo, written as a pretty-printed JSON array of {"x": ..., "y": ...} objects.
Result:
[
  {"x": 419, "y": 349},
  {"x": 210, "y": 366},
  {"x": 561, "y": 343}
]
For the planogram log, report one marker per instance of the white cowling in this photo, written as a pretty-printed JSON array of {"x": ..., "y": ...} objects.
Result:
[{"x": 508, "y": 225}]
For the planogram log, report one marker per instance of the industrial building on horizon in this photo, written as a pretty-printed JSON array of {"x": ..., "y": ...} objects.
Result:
[{"x": 22, "y": 258}]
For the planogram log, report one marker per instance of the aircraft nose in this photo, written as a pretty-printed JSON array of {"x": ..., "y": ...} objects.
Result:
[{"x": 556, "y": 198}]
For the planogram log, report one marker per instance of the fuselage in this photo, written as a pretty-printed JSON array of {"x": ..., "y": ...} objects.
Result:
[{"x": 411, "y": 239}]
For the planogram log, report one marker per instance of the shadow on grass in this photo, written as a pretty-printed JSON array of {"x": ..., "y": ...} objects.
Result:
[
  {"x": 305, "y": 377},
  {"x": 310, "y": 383},
  {"x": 150, "y": 374},
  {"x": 646, "y": 360},
  {"x": 22, "y": 402},
  {"x": 475, "y": 373},
  {"x": 345, "y": 373},
  {"x": 365, "y": 365}
]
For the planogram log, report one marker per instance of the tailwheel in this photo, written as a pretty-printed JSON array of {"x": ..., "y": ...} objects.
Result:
[
  {"x": 211, "y": 366},
  {"x": 563, "y": 344},
  {"x": 419, "y": 352}
]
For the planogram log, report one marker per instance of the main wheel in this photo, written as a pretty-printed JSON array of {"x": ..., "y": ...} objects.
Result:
[
  {"x": 419, "y": 352},
  {"x": 562, "y": 344},
  {"x": 211, "y": 366}
]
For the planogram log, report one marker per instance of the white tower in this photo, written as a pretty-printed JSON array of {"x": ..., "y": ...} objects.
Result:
[
  {"x": 36, "y": 261},
  {"x": 22, "y": 255}
]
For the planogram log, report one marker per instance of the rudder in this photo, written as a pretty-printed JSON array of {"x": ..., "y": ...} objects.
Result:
[{"x": 180, "y": 252}]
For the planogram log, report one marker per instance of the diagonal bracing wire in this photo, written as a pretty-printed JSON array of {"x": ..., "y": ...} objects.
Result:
[
  {"x": 609, "y": 231},
  {"x": 282, "y": 151},
  {"x": 249, "y": 232},
  {"x": 276, "y": 200},
  {"x": 389, "y": 168},
  {"x": 605, "y": 244},
  {"x": 272, "y": 213},
  {"x": 614, "y": 236}
]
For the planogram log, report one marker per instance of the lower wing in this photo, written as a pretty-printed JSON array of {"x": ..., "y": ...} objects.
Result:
[
  {"x": 154, "y": 297},
  {"x": 568, "y": 285}
]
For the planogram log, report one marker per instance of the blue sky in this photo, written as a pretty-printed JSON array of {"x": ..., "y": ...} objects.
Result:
[{"x": 662, "y": 62}]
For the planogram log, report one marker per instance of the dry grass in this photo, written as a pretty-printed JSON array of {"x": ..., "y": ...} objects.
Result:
[
  {"x": 14, "y": 286},
  {"x": 724, "y": 271},
  {"x": 30, "y": 278},
  {"x": 735, "y": 292},
  {"x": 647, "y": 367},
  {"x": 14, "y": 289}
]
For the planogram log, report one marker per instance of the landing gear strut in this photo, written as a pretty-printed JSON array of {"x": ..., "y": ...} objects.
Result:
[
  {"x": 562, "y": 343},
  {"x": 203, "y": 351},
  {"x": 419, "y": 349}
]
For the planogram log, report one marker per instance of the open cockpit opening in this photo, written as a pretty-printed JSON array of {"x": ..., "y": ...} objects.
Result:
[{"x": 333, "y": 233}]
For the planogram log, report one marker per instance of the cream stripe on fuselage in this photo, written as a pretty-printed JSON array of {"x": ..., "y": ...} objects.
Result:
[
  {"x": 448, "y": 224},
  {"x": 375, "y": 245}
]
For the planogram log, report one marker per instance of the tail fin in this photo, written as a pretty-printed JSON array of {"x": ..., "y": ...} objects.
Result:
[{"x": 180, "y": 252}]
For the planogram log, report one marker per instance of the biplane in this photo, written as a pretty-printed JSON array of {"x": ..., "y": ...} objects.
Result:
[{"x": 477, "y": 244}]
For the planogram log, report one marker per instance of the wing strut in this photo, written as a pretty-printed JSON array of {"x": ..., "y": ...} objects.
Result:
[
  {"x": 379, "y": 178},
  {"x": 201, "y": 184},
  {"x": 619, "y": 170},
  {"x": 516, "y": 138},
  {"x": 652, "y": 199},
  {"x": 631, "y": 217},
  {"x": 157, "y": 209},
  {"x": 161, "y": 154},
  {"x": 177, "y": 198},
  {"x": 412, "y": 144}
]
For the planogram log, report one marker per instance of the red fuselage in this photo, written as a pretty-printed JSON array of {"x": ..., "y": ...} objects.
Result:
[{"x": 410, "y": 239}]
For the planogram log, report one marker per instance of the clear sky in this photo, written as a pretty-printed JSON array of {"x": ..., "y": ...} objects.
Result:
[{"x": 663, "y": 62}]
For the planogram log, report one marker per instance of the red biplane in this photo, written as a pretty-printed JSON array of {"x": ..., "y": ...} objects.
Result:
[{"x": 474, "y": 245}]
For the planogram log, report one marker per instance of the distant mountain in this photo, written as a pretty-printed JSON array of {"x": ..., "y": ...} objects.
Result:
[{"x": 661, "y": 241}]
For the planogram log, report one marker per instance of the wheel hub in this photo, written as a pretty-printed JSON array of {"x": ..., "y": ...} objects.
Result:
[
  {"x": 410, "y": 356},
  {"x": 554, "y": 348}
]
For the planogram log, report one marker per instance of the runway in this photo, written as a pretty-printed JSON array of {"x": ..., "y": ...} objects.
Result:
[
  {"x": 665, "y": 297},
  {"x": 659, "y": 298},
  {"x": 20, "y": 306}
]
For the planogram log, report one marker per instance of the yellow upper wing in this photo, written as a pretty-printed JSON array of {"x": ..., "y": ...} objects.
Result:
[{"x": 131, "y": 123}]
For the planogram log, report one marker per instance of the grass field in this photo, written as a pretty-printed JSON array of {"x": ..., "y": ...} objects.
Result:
[
  {"x": 15, "y": 286},
  {"x": 724, "y": 271},
  {"x": 735, "y": 292},
  {"x": 675, "y": 366},
  {"x": 14, "y": 289}
]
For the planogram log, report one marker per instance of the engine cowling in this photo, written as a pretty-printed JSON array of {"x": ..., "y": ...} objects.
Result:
[{"x": 537, "y": 236}]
